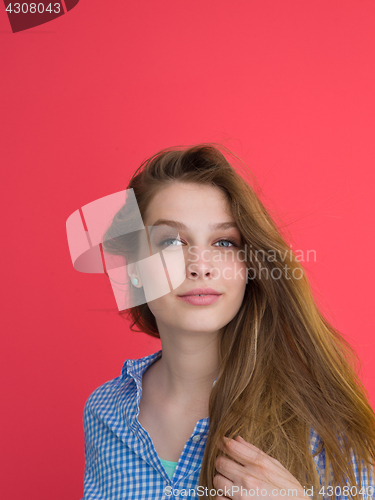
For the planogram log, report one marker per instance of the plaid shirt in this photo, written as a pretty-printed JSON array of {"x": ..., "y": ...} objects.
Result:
[{"x": 121, "y": 461}]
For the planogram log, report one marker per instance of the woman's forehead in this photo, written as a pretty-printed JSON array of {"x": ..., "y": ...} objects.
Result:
[{"x": 185, "y": 199}]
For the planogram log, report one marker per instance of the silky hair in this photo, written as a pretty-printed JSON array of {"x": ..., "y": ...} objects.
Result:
[{"x": 283, "y": 367}]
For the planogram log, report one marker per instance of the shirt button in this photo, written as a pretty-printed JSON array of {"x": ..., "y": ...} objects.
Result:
[{"x": 196, "y": 438}]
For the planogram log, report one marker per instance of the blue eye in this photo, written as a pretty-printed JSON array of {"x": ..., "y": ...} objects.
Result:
[
  {"x": 169, "y": 239},
  {"x": 164, "y": 242},
  {"x": 227, "y": 241}
]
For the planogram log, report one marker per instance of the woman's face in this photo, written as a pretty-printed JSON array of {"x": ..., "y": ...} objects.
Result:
[{"x": 212, "y": 258}]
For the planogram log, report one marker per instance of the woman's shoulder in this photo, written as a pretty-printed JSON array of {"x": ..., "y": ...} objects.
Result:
[
  {"x": 106, "y": 394},
  {"x": 102, "y": 392},
  {"x": 120, "y": 388}
]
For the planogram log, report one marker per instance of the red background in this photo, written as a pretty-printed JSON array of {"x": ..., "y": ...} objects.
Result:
[{"x": 287, "y": 85}]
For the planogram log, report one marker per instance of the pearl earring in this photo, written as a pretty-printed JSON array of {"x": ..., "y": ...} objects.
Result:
[{"x": 135, "y": 281}]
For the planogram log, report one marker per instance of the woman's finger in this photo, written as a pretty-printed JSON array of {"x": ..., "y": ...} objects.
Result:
[{"x": 230, "y": 469}]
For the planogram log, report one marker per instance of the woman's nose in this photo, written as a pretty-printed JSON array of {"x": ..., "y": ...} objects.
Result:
[{"x": 199, "y": 264}]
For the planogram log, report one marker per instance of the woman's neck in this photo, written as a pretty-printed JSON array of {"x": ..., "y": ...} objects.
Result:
[{"x": 188, "y": 367}]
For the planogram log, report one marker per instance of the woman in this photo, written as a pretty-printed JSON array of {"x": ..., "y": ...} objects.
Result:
[{"x": 253, "y": 392}]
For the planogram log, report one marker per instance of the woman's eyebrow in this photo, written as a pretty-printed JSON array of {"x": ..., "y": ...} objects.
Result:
[{"x": 180, "y": 225}]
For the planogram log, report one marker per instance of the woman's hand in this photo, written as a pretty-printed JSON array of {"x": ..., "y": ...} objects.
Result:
[{"x": 262, "y": 476}]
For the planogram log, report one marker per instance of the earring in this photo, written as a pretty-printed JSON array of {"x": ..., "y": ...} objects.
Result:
[{"x": 135, "y": 281}]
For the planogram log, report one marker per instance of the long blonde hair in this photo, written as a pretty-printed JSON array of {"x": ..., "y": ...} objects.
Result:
[{"x": 284, "y": 368}]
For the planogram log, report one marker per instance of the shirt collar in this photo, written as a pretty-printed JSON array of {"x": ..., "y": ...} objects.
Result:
[{"x": 135, "y": 368}]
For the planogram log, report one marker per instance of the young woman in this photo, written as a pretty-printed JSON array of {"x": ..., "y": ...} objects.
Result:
[{"x": 254, "y": 393}]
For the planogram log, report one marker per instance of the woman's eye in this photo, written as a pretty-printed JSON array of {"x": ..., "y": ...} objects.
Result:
[
  {"x": 170, "y": 239},
  {"x": 232, "y": 243},
  {"x": 176, "y": 242}
]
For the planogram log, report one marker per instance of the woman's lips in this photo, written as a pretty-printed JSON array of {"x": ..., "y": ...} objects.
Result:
[{"x": 202, "y": 300}]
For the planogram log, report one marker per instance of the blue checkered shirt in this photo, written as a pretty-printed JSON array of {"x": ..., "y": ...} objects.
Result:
[{"x": 121, "y": 461}]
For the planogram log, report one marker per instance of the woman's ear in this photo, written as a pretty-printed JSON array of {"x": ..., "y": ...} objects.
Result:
[{"x": 134, "y": 275}]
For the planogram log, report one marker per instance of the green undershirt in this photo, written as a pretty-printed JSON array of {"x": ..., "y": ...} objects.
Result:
[{"x": 168, "y": 466}]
